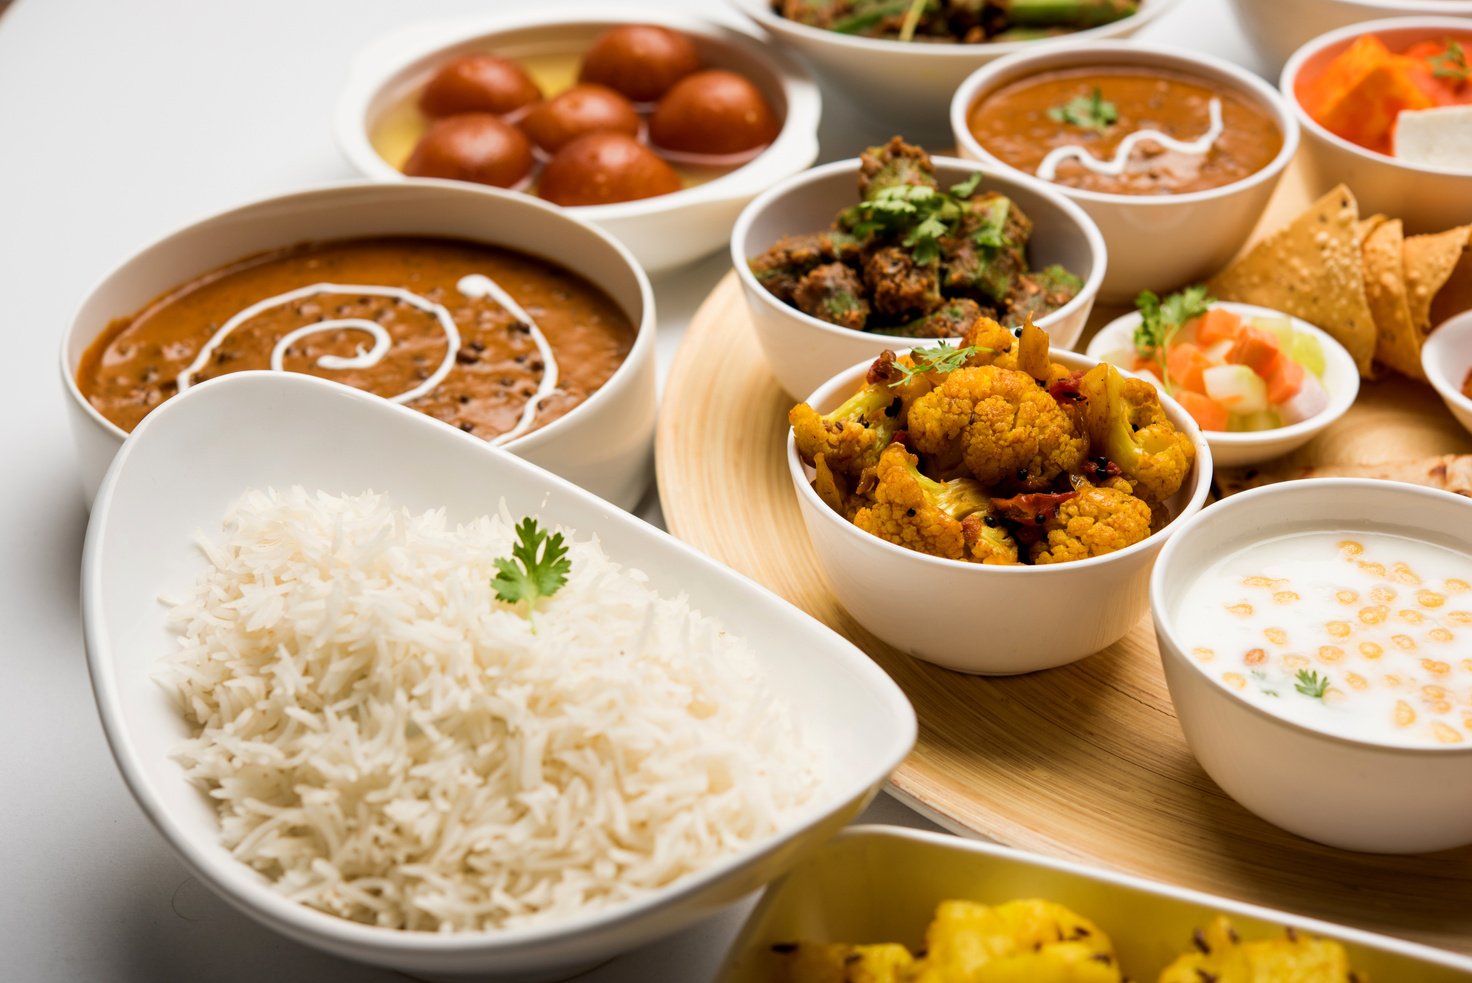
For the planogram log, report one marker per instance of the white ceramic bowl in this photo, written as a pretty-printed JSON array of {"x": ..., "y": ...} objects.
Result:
[
  {"x": 882, "y": 884},
  {"x": 1156, "y": 242},
  {"x": 1425, "y": 198},
  {"x": 1347, "y": 793},
  {"x": 662, "y": 232},
  {"x": 866, "y": 70},
  {"x": 1229, "y": 450},
  {"x": 1446, "y": 358},
  {"x": 988, "y": 620},
  {"x": 803, "y": 351},
  {"x": 175, "y": 477},
  {"x": 604, "y": 445},
  {"x": 1276, "y": 28}
]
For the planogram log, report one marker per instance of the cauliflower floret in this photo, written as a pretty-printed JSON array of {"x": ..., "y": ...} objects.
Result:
[
  {"x": 925, "y": 515},
  {"x": 1126, "y": 423},
  {"x": 852, "y": 437},
  {"x": 1095, "y": 521},
  {"x": 999, "y": 423}
]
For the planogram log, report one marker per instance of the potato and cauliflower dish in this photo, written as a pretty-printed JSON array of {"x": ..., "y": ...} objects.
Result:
[
  {"x": 990, "y": 452},
  {"x": 1037, "y": 941}
]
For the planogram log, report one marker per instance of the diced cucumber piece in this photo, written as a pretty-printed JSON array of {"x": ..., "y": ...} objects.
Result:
[
  {"x": 1279, "y": 327},
  {"x": 1253, "y": 422},
  {"x": 1217, "y": 354},
  {"x": 1307, "y": 351},
  {"x": 1238, "y": 388}
]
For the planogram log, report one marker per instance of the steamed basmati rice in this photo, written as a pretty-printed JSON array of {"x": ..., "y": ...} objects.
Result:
[{"x": 388, "y": 742}]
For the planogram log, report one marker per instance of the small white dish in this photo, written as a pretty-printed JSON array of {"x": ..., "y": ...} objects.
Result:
[
  {"x": 1425, "y": 198},
  {"x": 1156, "y": 242},
  {"x": 1345, "y": 792},
  {"x": 803, "y": 351},
  {"x": 664, "y": 232},
  {"x": 866, "y": 69},
  {"x": 176, "y": 477},
  {"x": 605, "y": 444},
  {"x": 1276, "y": 29},
  {"x": 1446, "y": 358},
  {"x": 881, "y": 884},
  {"x": 987, "y": 620},
  {"x": 1229, "y": 450}
]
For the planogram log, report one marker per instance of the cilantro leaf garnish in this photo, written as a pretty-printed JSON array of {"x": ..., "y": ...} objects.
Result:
[
  {"x": 941, "y": 358},
  {"x": 543, "y": 568},
  {"x": 1310, "y": 683},
  {"x": 1090, "y": 112},
  {"x": 967, "y": 187},
  {"x": 1160, "y": 320},
  {"x": 1451, "y": 64}
]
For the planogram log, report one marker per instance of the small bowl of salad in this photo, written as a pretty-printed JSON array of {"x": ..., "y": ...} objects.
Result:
[{"x": 1258, "y": 382}]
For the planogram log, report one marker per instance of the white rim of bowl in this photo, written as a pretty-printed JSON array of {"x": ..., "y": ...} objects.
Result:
[
  {"x": 1083, "y": 225},
  {"x": 1296, "y": 61},
  {"x": 643, "y": 336},
  {"x": 1339, "y": 403},
  {"x": 758, "y": 11},
  {"x": 1201, "y": 472},
  {"x": 1099, "y": 55},
  {"x": 1433, "y": 360},
  {"x": 798, "y": 136},
  {"x": 1246, "y": 499},
  {"x": 300, "y": 921}
]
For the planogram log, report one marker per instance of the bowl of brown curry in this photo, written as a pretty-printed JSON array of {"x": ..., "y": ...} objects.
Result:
[
  {"x": 430, "y": 294},
  {"x": 1173, "y": 155}
]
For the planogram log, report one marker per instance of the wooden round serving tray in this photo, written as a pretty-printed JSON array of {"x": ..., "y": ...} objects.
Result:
[{"x": 1085, "y": 762}]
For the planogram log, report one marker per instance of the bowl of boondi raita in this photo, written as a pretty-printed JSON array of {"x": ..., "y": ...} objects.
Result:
[{"x": 436, "y": 709}]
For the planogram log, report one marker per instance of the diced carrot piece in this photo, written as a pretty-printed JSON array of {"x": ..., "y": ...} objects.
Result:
[
  {"x": 1255, "y": 348},
  {"x": 1362, "y": 91},
  {"x": 1185, "y": 362},
  {"x": 1142, "y": 364},
  {"x": 1217, "y": 324},
  {"x": 1285, "y": 381},
  {"x": 1207, "y": 412}
]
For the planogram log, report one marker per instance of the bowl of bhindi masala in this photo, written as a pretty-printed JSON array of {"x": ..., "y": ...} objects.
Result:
[
  {"x": 432, "y": 294},
  {"x": 1174, "y": 155},
  {"x": 848, "y": 259}
]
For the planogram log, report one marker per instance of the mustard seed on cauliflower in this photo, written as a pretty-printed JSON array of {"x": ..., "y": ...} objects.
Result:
[
  {"x": 1126, "y": 423},
  {"x": 927, "y": 516},
  {"x": 1000, "y": 423},
  {"x": 1095, "y": 521}
]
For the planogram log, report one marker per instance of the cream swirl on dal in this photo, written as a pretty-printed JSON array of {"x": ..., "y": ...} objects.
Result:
[
  {"x": 476, "y": 285},
  {"x": 1115, "y": 166}
]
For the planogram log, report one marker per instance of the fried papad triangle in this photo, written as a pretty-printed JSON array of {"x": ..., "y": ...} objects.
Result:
[
  {"x": 1449, "y": 472},
  {"x": 1397, "y": 342},
  {"x": 1430, "y": 262},
  {"x": 1455, "y": 296},
  {"x": 1311, "y": 268}
]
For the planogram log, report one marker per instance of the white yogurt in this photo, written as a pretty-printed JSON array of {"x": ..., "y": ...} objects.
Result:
[{"x": 1366, "y": 635}]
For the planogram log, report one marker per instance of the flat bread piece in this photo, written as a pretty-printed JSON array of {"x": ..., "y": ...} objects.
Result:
[
  {"x": 1430, "y": 261},
  {"x": 1311, "y": 268},
  {"x": 1397, "y": 340},
  {"x": 1448, "y": 472}
]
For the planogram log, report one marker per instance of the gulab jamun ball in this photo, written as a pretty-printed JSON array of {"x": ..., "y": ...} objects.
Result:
[
  {"x": 602, "y": 168},
  {"x": 639, "y": 60},
  {"x": 713, "y": 112},
  {"x": 582, "y": 109},
  {"x": 478, "y": 84},
  {"x": 475, "y": 147}
]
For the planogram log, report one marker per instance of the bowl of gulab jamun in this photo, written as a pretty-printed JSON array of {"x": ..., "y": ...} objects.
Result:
[{"x": 655, "y": 126}]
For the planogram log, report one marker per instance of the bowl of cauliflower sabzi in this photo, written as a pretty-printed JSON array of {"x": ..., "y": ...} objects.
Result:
[{"x": 993, "y": 507}]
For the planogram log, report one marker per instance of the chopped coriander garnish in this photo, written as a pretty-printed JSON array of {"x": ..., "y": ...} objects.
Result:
[
  {"x": 942, "y": 358},
  {"x": 967, "y": 187},
  {"x": 543, "y": 568},
  {"x": 1311, "y": 683},
  {"x": 1451, "y": 64},
  {"x": 1161, "y": 319},
  {"x": 1090, "y": 112},
  {"x": 920, "y": 215}
]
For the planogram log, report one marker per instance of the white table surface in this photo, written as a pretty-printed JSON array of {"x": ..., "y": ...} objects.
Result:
[{"x": 119, "y": 120}]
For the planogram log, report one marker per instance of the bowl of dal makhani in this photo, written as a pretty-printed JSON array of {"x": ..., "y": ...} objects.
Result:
[
  {"x": 406, "y": 698},
  {"x": 486, "y": 310},
  {"x": 1314, "y": 637},
  {"x": 1174, "y": 156}
]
